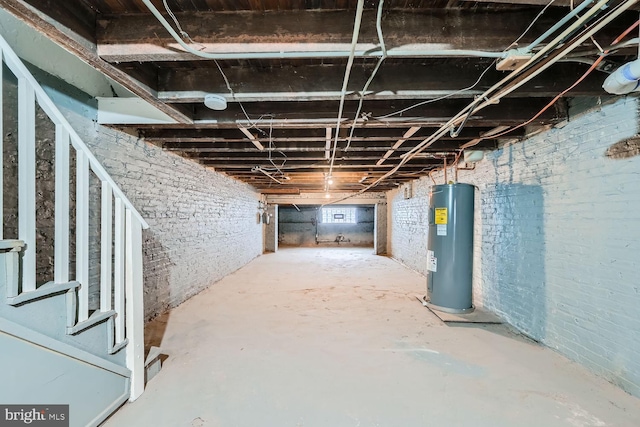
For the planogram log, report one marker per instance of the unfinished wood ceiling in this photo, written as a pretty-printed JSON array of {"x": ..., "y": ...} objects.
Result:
[{"x": 285, "y": 62}]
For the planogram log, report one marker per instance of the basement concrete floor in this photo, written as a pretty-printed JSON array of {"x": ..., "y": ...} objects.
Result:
[{"x": 335, "y": 337}]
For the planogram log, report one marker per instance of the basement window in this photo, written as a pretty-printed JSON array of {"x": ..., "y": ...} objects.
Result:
[{"x": 338, "y": 215}]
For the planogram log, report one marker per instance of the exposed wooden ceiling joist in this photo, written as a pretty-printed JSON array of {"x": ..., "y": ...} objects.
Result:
[
  {"x": 426, "y": 80},
  {"x": 315, "y": 34},
  {"x": 285, "y": 62}
]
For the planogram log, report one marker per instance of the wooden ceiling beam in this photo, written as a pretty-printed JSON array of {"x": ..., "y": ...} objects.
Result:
[
  {"x": 305, "y": 34},
  {"x": 211, "y": 137},
  {"x": 417, "y": 81},
  {"x": 506, "y": 112},
  {"x": 319, "y": 168},
  {"x": 224, "y": 148}
]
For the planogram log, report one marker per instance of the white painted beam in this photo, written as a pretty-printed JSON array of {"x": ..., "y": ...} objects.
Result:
[
  {"x": 106, "y": 242},
  {"x": 174, "y": 52},
  {"x": 134, "y": 305},
  {"x": 197, "y": 96},
  {"x": 305, "y": 199},
  {"x": 119, "y": 271},
  {"x": 27, "y": 181},
  {"x": 82, "y": 234},
  {"x": 255, "y": 141},
  {"x": 407, "y": 134},
  {"x": 1, "y": 152},
  {"x": 129, "y": 111},
  {"x": 61, "y": 243}
]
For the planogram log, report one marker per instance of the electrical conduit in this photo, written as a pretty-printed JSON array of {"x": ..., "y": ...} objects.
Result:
[{"x": 345, "y": 82}]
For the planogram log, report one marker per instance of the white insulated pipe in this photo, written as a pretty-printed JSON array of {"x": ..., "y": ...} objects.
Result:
[
  {"x": 625, "y": 79},
  {"x": 558, "y": 25}
]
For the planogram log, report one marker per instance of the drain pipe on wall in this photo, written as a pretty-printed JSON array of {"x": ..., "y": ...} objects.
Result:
[{"x": 625, "y": 79}]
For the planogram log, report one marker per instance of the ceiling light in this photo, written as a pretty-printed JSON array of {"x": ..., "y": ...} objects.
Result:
[
  {"x": 327, "y": 195},
  {"x": 215, "y": 102},
  {"x": 330, "y": 181}
]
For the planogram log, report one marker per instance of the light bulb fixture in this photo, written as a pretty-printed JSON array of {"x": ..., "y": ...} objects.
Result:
[
  {"x": 330, "y": 181},
  {"x": 215, "y": 102},
  {"x": 327, "y": 195}
]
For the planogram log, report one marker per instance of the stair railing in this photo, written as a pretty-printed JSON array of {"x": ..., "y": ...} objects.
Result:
[{"x": 121, "y": 225}]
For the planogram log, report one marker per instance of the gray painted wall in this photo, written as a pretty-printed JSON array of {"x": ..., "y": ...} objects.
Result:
[
  {"x": 557, "y": 239},
  {"x": 298, "y": 228},
  {"x": 48, "y": 316},
  {"x": 38, "y": 375}
]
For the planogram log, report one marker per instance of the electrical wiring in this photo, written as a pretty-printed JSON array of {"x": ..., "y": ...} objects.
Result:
[
  {"x": 558, "y": 25},
  {"x": 611, "y": 49},
  {"x": 183, "y": 33},
  {"x": 383, "y": 48},
  {"x": 561, "y": 94},
  {"x": 566, "y": 48},
  {"x": 189, "y": 49},
  {"x": 555, "y": 41},
  {"x": 556, "y": 98},
  {"x": 429, "y": 101},
  {"x": 345, "y": 82},
  {"x": 515, "y": 42},
  {"x": 474, "y": 105},
  {"x": 563, "y": 50},
  {"x": 490, "y": 66},
  {"x": 489, "y": 95},
  {"x": 514, "y": 81},
  {"x": 271, "y": 149},
  {"x": 455, "y": 132},
  {"x": 593, "y": 40},
  {"x": 315, "y": 54}
]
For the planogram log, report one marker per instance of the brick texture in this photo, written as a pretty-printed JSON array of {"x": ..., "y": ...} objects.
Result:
[
  {"x": 407, "y": 225},
  {"x": 556, "y": 239},
  {"x": 203, "y": 225}
]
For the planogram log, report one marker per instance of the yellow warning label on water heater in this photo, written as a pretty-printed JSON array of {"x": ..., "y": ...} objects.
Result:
[{"x": 441, "y": 215}]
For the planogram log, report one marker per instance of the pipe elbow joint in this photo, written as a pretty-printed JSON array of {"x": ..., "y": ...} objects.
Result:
[{"x": 625, "y": 79}]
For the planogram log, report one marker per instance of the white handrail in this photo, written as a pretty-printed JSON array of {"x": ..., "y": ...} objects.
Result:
[
  {"x": 20, "y": 70},
  {"x": 125, "y": 318}
]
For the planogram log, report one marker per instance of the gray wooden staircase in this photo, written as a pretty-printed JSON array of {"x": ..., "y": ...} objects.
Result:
[{"x": 57, "y": 347}]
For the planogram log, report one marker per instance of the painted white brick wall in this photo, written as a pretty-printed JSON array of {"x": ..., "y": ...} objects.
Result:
[
  {"x": 407, "y": 222},
  {"x": 557, "y": 240},
  {"x": 203, "y": 225}
]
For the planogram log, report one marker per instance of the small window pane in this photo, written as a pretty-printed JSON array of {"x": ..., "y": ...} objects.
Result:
[{"x": 339, "y": 215}]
